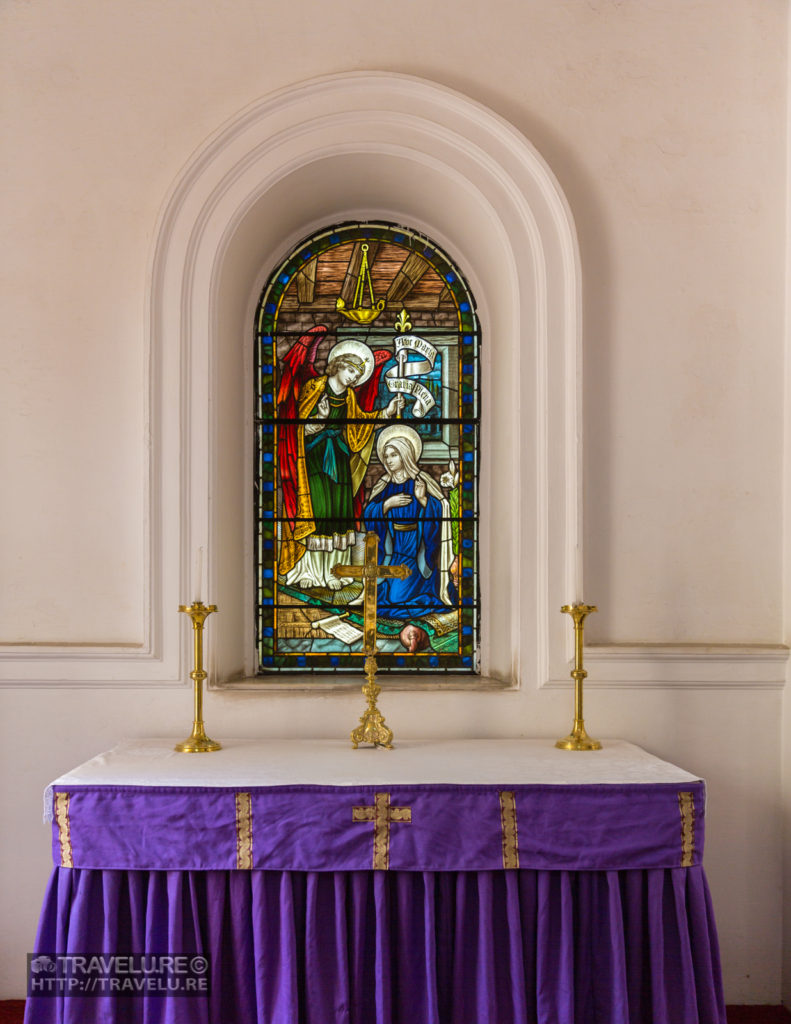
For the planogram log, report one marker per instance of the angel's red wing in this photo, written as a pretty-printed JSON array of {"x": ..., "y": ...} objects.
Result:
[{"x": 296, "y": 368}]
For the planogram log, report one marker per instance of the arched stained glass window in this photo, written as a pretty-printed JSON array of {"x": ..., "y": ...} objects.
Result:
[{"x": 366, "y": 419}]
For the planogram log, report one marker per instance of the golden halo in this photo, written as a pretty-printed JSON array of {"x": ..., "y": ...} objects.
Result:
[
  {"x": 354, "y": 348},
  {"x": 399, "y": 430}
]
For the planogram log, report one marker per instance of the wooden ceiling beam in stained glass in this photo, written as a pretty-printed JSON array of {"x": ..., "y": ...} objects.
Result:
[
  {"x": 444, "y": 297},
  {"x": 306, "y": 282},
  {"x": 412, "y": 269}
]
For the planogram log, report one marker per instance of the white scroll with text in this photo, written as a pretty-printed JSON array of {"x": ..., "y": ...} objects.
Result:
[{"x": 402, "y": 378}]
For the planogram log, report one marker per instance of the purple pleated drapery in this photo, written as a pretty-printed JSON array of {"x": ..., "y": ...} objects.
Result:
[
  {"x": 466, "y": 882},
  {"x": 397, "y": 947}
]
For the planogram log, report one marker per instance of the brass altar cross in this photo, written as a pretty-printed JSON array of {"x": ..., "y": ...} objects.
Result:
[
  {"x": 381, "y": 814},
  {"x": 372, "y": 728}
]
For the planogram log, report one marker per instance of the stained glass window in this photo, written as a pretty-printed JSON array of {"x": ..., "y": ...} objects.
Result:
[{"x": 366, "y": 419}]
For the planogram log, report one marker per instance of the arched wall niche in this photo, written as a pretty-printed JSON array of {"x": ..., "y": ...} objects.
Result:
[
  {"x": 380, "y": 185},
  {"x": 353, "y": 147},
  {"x": 356, "y": 146}
]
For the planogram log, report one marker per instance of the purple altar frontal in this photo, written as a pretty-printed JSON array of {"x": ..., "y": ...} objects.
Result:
[
  {"x": 417, "y": 828},
  {"x": 451, "y": 882},
  {"x": 165, "y": 816}
]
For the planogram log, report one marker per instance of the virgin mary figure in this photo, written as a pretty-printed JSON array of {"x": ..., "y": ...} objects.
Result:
[{"x": 409, "y": 513}]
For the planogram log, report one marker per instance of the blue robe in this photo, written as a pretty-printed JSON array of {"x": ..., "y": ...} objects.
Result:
[{"x": 409, "y": 535}]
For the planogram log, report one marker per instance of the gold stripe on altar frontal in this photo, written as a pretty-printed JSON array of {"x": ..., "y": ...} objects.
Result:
[
  {"x": 510, "y": 832},
  {"x": 244, "y": 832},
  {"x": 686, "y": 806},
  {"x": 64, "y": 829}
]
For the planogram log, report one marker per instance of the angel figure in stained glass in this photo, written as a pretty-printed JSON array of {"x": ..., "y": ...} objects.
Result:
[
  {"x": 409, "y": 513},
  {"x": 325, "y": 453}
]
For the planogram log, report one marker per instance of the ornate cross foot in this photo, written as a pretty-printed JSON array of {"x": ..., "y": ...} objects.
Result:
[
  {"x": 381, "y": 814},
  {"x": 372, "y": 728}
]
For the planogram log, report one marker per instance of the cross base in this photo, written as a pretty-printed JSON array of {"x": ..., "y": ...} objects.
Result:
[{"x": 372, "y": 728}]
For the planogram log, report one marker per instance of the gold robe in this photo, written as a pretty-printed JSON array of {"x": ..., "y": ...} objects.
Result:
[{"x": 360, "y": 440}]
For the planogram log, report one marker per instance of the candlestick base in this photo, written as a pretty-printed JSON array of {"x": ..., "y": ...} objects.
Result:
[
  {"x": 578, "y": 739},
  {"x": 197, "y": 743}
]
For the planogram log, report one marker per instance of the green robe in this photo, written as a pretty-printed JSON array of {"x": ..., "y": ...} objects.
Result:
[
  {"x": 327, "y": 459},
  {"x": 329, "y": 469}
]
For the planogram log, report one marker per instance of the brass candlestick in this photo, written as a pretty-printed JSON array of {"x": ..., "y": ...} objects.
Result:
[
  {"x": 198, "y": 742},
  {"x": 578, "y": 739},
  {"x": 372, "y": 728}
]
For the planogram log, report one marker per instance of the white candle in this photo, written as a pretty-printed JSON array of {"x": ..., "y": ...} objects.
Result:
[
  {"x": 198, "y": 582},
  {"x": 578, "y": 599}
]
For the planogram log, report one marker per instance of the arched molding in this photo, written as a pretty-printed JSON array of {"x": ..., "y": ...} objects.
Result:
[{"x": 361, "y": 145}]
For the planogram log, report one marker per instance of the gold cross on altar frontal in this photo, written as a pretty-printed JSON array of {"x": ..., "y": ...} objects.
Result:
[
  {"x": 381, "y": 814},
  {"x": 372, "y": 728}
]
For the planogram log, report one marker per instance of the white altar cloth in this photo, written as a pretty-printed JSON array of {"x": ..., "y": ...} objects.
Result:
[{"x": 255, "y": 762}]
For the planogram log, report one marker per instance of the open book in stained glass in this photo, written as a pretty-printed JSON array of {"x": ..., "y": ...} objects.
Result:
[{"x": 366, "y": 418}]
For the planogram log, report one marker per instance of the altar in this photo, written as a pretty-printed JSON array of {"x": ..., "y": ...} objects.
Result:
[{"x": 458, "y": 881}]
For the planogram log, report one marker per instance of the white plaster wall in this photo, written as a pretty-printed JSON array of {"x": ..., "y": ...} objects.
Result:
[
  {"x": 665, "y": 123},
  {"x": 786, "y": 748}
]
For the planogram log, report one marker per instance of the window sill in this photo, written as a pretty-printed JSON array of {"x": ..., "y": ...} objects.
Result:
[{"x": 346, "y": 683}]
